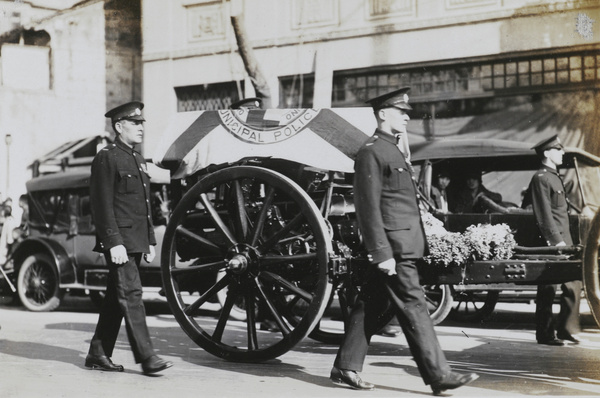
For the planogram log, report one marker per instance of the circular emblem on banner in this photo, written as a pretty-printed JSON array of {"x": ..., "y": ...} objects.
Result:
[{"x": 257, "y": 126}]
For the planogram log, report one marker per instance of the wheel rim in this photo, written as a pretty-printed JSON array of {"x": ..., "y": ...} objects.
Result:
[
  {"x": 439, "y": 302},
  {"x": 248, "y": 222},
  {"x": 591, "y": 275},
  {"x": 39, "y": 283}
]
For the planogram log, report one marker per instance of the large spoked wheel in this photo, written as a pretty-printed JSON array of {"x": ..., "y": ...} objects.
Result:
[
  {"x": 38, "y": 285},
  {"x": 268, "y": 237},
  {"x": 470, "y": 306},
  {"x": 591, "y": 274}
]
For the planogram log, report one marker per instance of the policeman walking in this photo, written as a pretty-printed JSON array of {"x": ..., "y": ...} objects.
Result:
[
  {"x": 120, "y": 203},
  {"x": 546, "y": 194},
  {"x": 389, "y": 218}
]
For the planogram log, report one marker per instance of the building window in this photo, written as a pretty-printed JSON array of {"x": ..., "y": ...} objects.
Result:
[
  {"x": 296, "y": 91},
  {"x": 206, "y": 21},
  {"x": 207, "y": 97},
  {"x": 470, "y": 80},
  {"x": 389, "y": 8},
  {"x": 314, "y": 13}
]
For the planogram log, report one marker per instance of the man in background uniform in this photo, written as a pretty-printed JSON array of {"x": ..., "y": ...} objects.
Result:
[
  {"x": 388, "y": 214},
  {"x": 120, "y": 203},
  {"x": 546, "y": 194},
  {"x": 439, "y": 194}
]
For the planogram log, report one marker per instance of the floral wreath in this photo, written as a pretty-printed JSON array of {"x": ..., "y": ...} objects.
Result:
[{"x": 479, "y": 242}]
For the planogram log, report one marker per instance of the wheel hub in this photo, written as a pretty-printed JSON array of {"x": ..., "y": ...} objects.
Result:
[
  {"x": 243, "y": 259},
  {"x": 238, "y": 264},
  {"x": 37, "y": 282}
]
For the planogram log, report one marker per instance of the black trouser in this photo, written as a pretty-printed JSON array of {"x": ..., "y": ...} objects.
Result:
[
  {"x": 403, "y": 291},
  {"x": 123, "y": 300},
  {"x": 568, "y": 318}
]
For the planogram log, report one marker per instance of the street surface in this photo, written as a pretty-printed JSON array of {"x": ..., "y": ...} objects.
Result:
[{"x": 42, "y": 355}]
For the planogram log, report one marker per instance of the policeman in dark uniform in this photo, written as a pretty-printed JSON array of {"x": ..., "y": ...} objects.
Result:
[
  {"x": 546, "y": 194},
  {"x": 120, "y": 203},
  {"x": 389, "y": 218}
]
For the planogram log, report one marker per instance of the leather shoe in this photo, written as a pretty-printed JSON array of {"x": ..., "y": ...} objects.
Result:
[
  {"x": 155, "y": 364},
  {"x": 349, "y": 378},
  {"x": 452, "y": 380},
  {"x": 552, "y": 341},
  {"x": 102, "y": 362},
  {"x": 389, "y": 331},
  {"x": 569, "y": 337}
]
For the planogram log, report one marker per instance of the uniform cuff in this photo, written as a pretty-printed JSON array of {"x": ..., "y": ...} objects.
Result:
[
  {"x": 110, "y": 242},
  {"x": 380, "y": 255}
]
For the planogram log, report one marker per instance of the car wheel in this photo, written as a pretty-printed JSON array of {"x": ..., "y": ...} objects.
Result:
[{"x": 37, "y": 284}]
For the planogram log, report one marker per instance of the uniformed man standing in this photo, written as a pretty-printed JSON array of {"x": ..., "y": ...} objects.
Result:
[
  {"x": 546, "y": 194},
  {"x": 389, "y": 218},
  {"x": 120, "y": 203}
]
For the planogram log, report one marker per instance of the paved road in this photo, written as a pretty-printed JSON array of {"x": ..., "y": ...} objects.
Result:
[{"x": 42, "y": 355}]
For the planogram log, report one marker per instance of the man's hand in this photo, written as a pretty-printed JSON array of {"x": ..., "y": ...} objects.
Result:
[
  {"x": 150, "y": 256},
  {"x": 562, "y": 243},
  {"x": 118, "y": 254},
  {"x": 388, "y": 266}
]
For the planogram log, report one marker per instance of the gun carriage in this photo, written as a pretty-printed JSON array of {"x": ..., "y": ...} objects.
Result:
[{"x": 264, "y": 201}]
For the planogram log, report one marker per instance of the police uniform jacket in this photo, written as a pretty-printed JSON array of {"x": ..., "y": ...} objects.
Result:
[
  {"x": 546, "y": 193},
  {"x": 386, "y": 201},
  {"x": 120, "y": 199}
]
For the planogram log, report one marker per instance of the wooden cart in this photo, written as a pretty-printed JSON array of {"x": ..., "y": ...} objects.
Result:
[{"x": 263, "y": 208}]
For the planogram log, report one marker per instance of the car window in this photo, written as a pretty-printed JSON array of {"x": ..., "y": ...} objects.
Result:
[
  {"x": 589, "y": 177},
  {"x": 510, "y": 184},
  {"x": 50, "y": 208},
  {"x": 85, "y": 223}
]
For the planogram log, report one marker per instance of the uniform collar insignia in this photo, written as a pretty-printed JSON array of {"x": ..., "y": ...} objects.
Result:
[{"x": 385, "y": 136}]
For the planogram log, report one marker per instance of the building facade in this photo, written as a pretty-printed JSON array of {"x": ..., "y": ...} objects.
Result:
[
  {"x": 61, "y": 69},
  {"x": 516, "y": 69}
]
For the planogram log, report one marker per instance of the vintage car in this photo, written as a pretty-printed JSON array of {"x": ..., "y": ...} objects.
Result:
[
  {"x": 56, "y": 256},
  {"x": 507, "y": 168}
]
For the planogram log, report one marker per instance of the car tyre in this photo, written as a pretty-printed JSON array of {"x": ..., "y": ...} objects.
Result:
[{"x": 38, "y": 284}]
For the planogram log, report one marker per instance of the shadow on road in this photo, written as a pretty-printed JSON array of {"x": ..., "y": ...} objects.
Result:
[{"x": 38, "y": 351}]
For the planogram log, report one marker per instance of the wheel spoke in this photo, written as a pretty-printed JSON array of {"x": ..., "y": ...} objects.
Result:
[
  {"x": 224, "y": 315},
  {"x": 250, "y": 322},
  {"x": 429, "y": 300},
  {"x": 217, "y": 219},
  {"x": 214, "y": 266},
  {"x": 283, "y": 328},
  {"x": 262, "y": 216},
  {"x": 221, "y": 284},
  {"x": 240, "y": 217},
  {"x": 278, "y": 280},
  {"x": 292, "y": 258},
  {"x": 198, "y": 239},
  {"x": 273, "y": 240}
]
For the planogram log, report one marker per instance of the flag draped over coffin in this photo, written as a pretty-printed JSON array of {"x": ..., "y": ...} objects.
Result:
[{"x": 324, "y": 138}]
